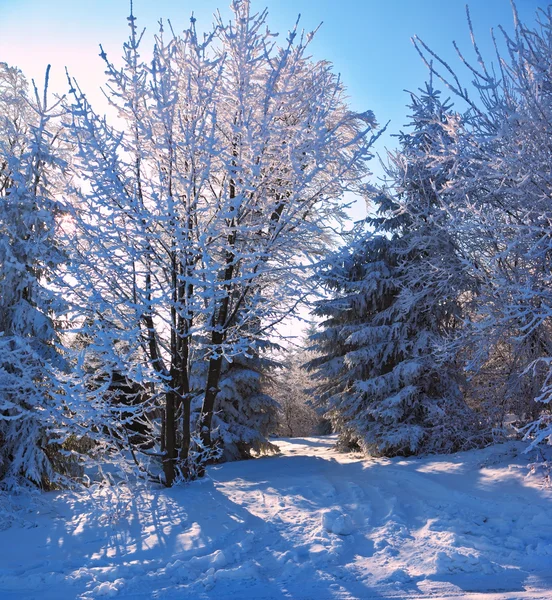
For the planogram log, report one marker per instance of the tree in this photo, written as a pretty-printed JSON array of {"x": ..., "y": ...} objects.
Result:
[
  {"x": 198, "y": 220},
  {"x": 292, "y": 388},
  {"x": 245, "y": 414},
  {"x": 396, "y": 293},
  {"x": 34, "y": 416},
  {"x": 506, "y": 153}
]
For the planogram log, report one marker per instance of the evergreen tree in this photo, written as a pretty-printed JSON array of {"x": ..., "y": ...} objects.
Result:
[
  {"x": 244, "y": 414},
  {"x": 33, "y": 413},
  {"x": 396, "y": 290}
]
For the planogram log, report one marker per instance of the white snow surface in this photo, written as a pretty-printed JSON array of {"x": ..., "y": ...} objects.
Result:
[{"x": 308, "y": 524}]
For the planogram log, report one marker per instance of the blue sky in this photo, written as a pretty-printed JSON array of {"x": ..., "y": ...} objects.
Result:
[{"x": 367, "y": 40}]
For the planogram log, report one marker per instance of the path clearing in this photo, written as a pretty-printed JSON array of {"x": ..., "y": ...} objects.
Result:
[{"x": 309, "y": 524}]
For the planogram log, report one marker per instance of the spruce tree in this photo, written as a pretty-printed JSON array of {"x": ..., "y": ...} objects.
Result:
[
  {"x": 33, "y": 412},
  {"x": 395, "y": 301},
  {"x": 245, "y": 414}
]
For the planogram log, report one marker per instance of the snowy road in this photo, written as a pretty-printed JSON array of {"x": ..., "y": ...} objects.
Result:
[{"x": 310, "y": 524}]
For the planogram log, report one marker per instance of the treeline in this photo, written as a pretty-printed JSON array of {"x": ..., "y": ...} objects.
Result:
[{"x": 147, "y": 261}]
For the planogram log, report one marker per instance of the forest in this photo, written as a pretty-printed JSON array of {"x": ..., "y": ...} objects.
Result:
[{"x": 151, "y": 256}]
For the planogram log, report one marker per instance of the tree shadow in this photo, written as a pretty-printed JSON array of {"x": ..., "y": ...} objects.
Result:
[
  {"x": 449, "y": 497},
  {"x": 191, "y": 541},
  {"x": 255, "y": 530}
]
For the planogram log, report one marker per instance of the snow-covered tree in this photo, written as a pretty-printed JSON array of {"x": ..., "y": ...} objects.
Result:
[
  {"x": 245, "y": 414},
  {"x": 33, "y": 413},
  {"x": 395, "y": 300},
  {"x": 196, "y": 220},
  {"x": 292, "y": 386},
  {"x": 506, "y": 196}
]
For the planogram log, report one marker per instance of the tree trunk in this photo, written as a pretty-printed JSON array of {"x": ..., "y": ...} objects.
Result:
[
  {"x": 186, "y": 433},
  {"x": 219, "y": 331},
  {"x": 211, "y": 392},
  {"x": 170, "y": 440},
  {"x": 215, "y": 363}
]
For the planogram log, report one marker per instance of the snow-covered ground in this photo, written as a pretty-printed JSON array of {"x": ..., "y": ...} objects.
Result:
[{"x": 310, "y": 524}]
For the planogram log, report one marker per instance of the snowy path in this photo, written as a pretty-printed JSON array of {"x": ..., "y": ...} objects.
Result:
[{"x": 310, "y": 524}]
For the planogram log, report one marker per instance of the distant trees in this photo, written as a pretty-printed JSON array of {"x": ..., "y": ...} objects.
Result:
[{"x": 292, "y": 386}]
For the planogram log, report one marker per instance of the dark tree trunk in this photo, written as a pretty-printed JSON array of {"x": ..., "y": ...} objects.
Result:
[
  {"x": 170, "y": 440},
  {"x": 218, "y": 336},
  {"x": 211, "y": 392}
]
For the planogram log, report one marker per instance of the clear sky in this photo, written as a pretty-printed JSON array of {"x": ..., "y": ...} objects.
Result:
[{"x": 367, "y": 40}]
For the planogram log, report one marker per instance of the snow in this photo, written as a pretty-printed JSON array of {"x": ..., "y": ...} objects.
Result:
[
  {"x": 335, "y": 521},
  {"x": 310, "y": 523}
]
